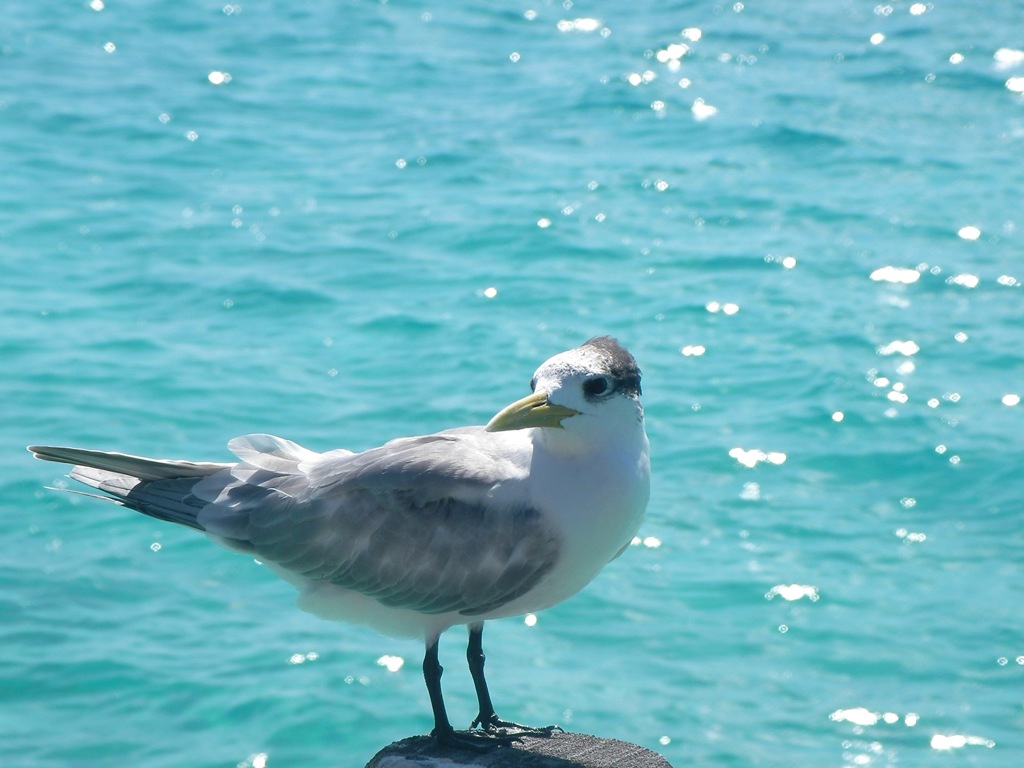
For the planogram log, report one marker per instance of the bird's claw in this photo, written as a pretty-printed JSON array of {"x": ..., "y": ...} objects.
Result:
[
  {"x": 476, "y": 740},
  {"x": 490, "y": 732},
  {"x": 495, "y": 725}
]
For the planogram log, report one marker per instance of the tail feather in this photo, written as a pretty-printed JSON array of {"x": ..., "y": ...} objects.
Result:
[
  {"x": 126, "y": 464},
  {"x": 160, "y": 488}
]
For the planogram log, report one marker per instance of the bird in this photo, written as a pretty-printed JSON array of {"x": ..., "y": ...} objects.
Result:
[{"x": 426, "y": 533}]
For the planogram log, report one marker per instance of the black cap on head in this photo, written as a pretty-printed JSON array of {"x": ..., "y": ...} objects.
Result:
[{"x": 621, "y": 364}]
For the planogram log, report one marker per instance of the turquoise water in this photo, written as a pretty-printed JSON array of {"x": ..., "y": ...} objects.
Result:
[{"x": 346, "y": 222}]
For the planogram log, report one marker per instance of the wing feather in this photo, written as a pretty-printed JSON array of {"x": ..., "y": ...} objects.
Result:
[
  {"x": 416, "y": 524},
  {"x": 410, "y": 524}
]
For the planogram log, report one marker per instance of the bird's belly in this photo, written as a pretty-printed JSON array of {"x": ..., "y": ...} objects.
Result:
[{"x": 333, "y": 603}]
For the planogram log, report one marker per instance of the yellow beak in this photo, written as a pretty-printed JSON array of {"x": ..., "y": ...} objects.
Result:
[{"x": 532, "y": 411}]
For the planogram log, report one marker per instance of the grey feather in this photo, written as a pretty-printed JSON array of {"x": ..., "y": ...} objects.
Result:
[
  {"x": 408, "y": 523},
  {"x": 124, "y": 463}
]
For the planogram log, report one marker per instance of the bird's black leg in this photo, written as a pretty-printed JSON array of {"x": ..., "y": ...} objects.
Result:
[
  {"x": 443, "y": 730},
  {"x": 487, "y": 718},
  {"x": 432, "y": 670}
]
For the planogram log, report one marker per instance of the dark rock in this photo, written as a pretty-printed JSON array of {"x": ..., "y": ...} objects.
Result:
[{"x": 560, "y": 750}]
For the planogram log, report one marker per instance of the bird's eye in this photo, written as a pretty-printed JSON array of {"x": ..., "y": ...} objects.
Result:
[
  {"x": 598, "y": 385},
  {"x": 533, "y": 385}
]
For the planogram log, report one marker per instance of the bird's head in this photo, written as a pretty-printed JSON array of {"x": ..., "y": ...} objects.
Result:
[{"x": 592, "y": 393}]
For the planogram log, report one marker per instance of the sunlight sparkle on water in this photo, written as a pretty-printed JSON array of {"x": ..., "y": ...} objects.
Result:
[
  {"x": 640, "y": 78},
  {"x": 728, "y": 308},
  {"x": 651, "y": 542},
  {"x": 671, "y": 54},
  {"x": 579, "y": 25},
  {"x": 1008, "y": 57},
  {"x": 865, "y": 717},
  {"x": 969, "y": 232},
  {"x": 855, "y": 715},
  {"x": 905, "y": 348},
  {"x": 956, "y": 741},
  {"x": 702, "y": 111},
  {"x": 792, "y": 592},
  {"x": 754, "y": 456},
  {"x": 896, "y": 275},
  {"x": 391, "y": 663},
  {"x": 966, "y": 280},
  {"x": 910, "y": 537},
  {"x": 673, "y": 51}
]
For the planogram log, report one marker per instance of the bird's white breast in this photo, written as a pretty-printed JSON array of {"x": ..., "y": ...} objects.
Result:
[{"x": 596, "y": 502}]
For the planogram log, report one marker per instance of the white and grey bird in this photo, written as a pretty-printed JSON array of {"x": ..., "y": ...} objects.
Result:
[{"x": 424, "y": 533}]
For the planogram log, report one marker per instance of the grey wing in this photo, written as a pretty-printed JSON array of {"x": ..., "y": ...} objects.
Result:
[{"x": 408, "y": 524}]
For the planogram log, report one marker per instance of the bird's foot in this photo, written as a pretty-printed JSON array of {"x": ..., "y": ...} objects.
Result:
[
  {"x": 478, "y": 741},
  {"x": 495, "y": 725}
]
